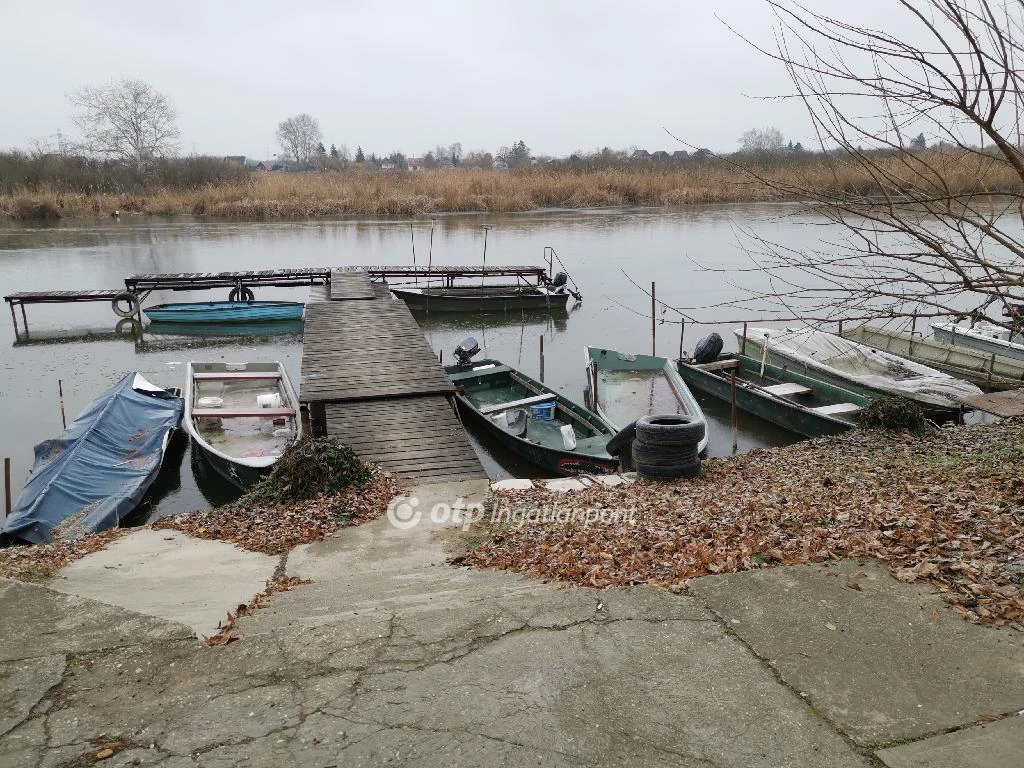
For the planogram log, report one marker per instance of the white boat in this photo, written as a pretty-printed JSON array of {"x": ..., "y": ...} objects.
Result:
[
  {"x": 985, "y": 337},
  {"x": 858, "y": 367},
  {"x": 242, "y": 416}
]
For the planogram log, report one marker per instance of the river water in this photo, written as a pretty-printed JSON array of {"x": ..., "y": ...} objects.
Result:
[{"x": 75, "y": 344}]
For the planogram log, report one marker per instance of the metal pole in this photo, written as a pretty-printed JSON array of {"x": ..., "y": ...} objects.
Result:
[
  {"x": 483, "y": 272},
  {"x": 913, "y": 328},
  {"x": 593, "y": 368},
  {"x": 840, "y": 327},
  {"x": 7, "y": 487},
  {"x": 735, "y": 427},
  {"x": 542, "y": 358},
  {"x": 412, "y": 237},
  {"x": 60, "y": 389},
  {"x": 653, "y": 340},
  {"x": 682, "y": 331}
]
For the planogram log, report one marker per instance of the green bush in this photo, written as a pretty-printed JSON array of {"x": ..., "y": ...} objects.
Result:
[
  {"x": 896, "y": 414},
  {"x": 311, "y": 467}
]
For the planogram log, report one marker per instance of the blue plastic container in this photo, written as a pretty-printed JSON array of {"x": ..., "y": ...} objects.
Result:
[{"x": 543, "y": 411}]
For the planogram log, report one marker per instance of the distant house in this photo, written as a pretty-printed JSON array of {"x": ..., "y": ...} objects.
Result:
[
  {"x": 641, "y": 154},
  {"x": 415, "y": 163},
  {"x": 266, "y": 165},
  {"x": 680, "y": 154},
  {"x": 237, "y": 159},
  {"x": 387, "y": 165},
  {"x": 661, "y": 156},
  {"x": 500, "y": 165}
]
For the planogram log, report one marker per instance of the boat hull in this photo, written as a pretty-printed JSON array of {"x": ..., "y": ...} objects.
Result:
[
  {"x": 927, "y": 390},
  {"x": 992, "y": 372},
  {"x": 473, "y": 300},
  {"x": 957, "y": 336},
  {"x": 555, "y": 460},
  {"x": 225, "y": 312},
  {"x": 660, "y": 368},
  {"x": 234, "y": 435},
  {"x": 775, "y": 410}
]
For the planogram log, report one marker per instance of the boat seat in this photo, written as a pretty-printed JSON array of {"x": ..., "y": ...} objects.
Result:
[
  {"x": 229, "y": 376},
  {"x": 718, "y": 365},
  {"x": 237, "y": 413},
  {"x": 789, "y": 388},
  {"x": 836, "y": 409},
  {"x": 517, "y": 403}
]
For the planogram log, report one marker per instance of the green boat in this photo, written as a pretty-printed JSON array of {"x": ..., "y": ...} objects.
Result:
[
  {"x": 793, "y": 401},
  {"x": 532, "y": 420},
  {"x": 622, "y": 387}
]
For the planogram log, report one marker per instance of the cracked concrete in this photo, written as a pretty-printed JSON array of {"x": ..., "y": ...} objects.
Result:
[{"x": 392, "y": 656}]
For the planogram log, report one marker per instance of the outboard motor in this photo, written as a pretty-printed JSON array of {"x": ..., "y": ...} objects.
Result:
[
  {"x": 560, "y": 279},
  {"x": 708, "y": 349},
  {"x": 466, "y": 350}
]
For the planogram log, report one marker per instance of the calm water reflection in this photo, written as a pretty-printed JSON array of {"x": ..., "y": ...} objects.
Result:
[{"x": 77, "y": 343}]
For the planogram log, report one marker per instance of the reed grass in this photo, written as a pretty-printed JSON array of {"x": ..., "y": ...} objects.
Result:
[{"x": 361, "y": 192}]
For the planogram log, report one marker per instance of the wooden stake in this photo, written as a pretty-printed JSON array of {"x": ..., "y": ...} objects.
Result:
[
  {"x": 7, "y": 487},
  {"x": 913, "y": 327},
  {"x": 735, "y": 426},
  {"x": 682, "y": 330},
  {"x": 743, "y": 344},
  {"x": 542, "y": 358},
  {"x": 412, "y": 237},
  {"x": 593, "y": 368},
  {"x": 653, "y": 341},
  {"x": 60, "y": 389}
]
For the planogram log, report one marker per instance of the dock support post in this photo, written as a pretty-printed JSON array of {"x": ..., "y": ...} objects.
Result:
[
  {"x": 7, "y": 487},
  {"x": 542, "y": 358},
  {"x": 14, "y": 319},
  {"x": 653, "y": 316}
]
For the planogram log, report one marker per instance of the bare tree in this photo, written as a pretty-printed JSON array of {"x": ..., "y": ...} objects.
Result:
[
  {"x": 933, "y": 231},
  {"x": 767, "y": 140},
  {"x": 455, "y": 153},
  {"x": 300, "y": 138},
  {"x": 127, "y": 120}
]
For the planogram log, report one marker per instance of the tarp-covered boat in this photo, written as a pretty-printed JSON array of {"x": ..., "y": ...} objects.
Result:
[
  {"x": 98, "y": 470},
  {"x": 225, "y": 311},
  {"x": 856, "y": 367},
  {"x": 623, "y": 387}
]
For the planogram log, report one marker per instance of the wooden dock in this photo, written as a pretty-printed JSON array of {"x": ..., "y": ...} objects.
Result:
[{"x": 371, "y": 380}]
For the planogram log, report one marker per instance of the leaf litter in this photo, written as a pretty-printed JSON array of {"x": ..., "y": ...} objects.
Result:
[{"x": 945, "y": 509}]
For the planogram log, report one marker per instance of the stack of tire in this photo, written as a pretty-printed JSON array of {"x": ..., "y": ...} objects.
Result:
[{"x": 666, "y": 447}]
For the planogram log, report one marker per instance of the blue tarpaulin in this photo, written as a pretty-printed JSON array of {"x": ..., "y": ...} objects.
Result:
[{"x": 96, "y": 472}]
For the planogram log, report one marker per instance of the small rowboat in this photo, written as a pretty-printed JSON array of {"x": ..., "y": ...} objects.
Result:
[
  {"x": 791, "y": 400},
  {"x": 984, "y": 337},
  {"x": 537, "y": 423},
  {"x": 622, "y": 388},
  {"x": 241, "y": 416},
  {"x": 489, "y": 298},
  {"x": 225, "y": 311},
  {"x": 93, "y": 475}
]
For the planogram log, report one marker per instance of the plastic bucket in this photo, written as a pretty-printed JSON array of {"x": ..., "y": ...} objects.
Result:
[{"x": 543, "y": 412}]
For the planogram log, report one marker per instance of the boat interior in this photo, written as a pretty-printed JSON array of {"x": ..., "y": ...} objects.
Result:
[
  {"x": 471, "y": 291},
  {"x": 521, "y": 408},
  {"x": 245, "y": 415},
  {"x": 625, "y": 395},
  {"x": 789, "y": 387}
]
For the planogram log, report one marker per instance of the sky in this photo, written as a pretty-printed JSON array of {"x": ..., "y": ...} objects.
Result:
[{"x": 562, "y": 75}]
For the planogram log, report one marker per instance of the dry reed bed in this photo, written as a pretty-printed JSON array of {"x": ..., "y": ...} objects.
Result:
[{"x": 308, "y": 195}]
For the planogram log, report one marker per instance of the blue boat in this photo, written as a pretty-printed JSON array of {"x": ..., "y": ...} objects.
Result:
[
  {"x": 225, "y": 311},
  {"x": 267, "y": 328},
  {"x": 93, "y": 475}
]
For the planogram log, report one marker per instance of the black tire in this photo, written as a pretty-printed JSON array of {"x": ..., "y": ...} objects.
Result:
[
  {"x": 241, "y": 294},
  {"x": 663, "y": 456},
  {"x": 621, "y": 438},
  {"x": 708, "y": 349},
  {"x": 669, "y": 473},
  {"x": 670, "y": 429},
  {"x": 128, "y": 298},
  {"x": 128, "y": 327}
]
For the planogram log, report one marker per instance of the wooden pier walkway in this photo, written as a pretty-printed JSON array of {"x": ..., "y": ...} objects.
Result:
[{"x": 371, "y": 380}]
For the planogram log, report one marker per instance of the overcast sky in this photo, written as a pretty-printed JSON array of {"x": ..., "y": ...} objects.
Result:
[{"x": 406, "y": 76}]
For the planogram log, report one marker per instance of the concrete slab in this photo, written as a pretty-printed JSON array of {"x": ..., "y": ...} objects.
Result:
[
  {"x": 564, "y": 484},
  {"x": 883, "y": 660},
  {"x": 993, "y": 745},
  {"x": 171, "y": 576},
  {"x": 36, "y": 621},
  {"x": 512, "y": 484}
]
